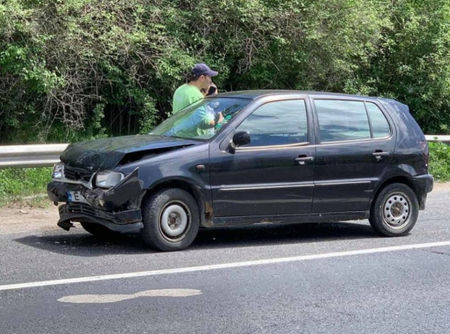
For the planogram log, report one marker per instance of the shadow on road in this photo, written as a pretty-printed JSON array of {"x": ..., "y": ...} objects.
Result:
[
  {"x": 280, "y": 234},
  {"x": 83, "y": 244}
]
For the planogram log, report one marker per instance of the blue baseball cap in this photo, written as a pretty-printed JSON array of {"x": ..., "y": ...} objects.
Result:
[{"x": 203, "y": 69}]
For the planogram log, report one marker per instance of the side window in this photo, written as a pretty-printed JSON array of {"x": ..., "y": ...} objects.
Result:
[
  {"x": 342, "y": 120},
  {"x": 277, "y": 123},
  {"x": 379, "y": 124}
]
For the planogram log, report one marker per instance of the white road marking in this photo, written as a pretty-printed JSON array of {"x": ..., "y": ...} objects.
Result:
[
  {"x": 222, "y": 266},
  {"x": 103, "y": 299}
]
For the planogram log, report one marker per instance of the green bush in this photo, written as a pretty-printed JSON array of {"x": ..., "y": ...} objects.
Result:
[
  {"x": 75, "y": 69},
  {"x": 439, "y": 164}
]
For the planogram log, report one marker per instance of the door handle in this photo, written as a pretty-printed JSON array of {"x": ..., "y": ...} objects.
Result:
[
  {"x": 379, "y": 154},
  {"x": 301, "y": 159}
]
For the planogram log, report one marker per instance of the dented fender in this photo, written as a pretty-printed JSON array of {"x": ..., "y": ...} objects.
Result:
[
  {"x": 127, "y": 193},
  {"x": 118, "y": 205}
]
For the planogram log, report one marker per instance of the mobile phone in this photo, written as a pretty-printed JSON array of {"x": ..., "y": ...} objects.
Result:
[{"x": 212, "y": 90}]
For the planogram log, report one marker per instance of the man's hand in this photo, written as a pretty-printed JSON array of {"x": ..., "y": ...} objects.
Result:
[
  {"x": 212, "y": 90},
  {"x": 219, "y": 118}
]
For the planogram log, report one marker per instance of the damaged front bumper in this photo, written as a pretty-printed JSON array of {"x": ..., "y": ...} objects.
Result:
[
  {"x": 85, "y": 213},
  {"x": 113, "y": 208}
]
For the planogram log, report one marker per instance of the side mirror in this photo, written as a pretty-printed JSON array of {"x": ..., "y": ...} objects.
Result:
[{"x": 240, "y": 138}]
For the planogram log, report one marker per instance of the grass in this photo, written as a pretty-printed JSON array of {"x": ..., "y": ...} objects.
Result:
[
  {"x": 439, "y": 164},
  {"x": 27, "y": 186}
]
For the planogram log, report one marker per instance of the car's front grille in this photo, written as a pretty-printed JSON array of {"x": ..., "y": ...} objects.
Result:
[
  {"x": 80, "y": 208},
  {"x": 77, "y": 174}
]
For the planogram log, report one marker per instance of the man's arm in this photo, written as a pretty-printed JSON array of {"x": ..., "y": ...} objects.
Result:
[
  {"x": 218, "y": 119},
  {"x": 210, "y": 119}
]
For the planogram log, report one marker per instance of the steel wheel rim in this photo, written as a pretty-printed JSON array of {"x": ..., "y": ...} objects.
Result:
[
  {"x": 174, "y": 221},
  {"x": 396, "y": 211}
]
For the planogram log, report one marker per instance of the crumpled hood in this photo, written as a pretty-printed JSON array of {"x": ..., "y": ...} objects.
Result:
[{"x": 106, "y": 153}]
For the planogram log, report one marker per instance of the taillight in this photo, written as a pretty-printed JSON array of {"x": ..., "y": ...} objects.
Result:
[{"x": 425, "y": 151}]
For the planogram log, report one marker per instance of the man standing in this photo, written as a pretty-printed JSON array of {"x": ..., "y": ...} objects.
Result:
[{"x": 188, "y": 93}]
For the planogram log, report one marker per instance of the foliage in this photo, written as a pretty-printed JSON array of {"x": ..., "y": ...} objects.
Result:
[
  {"x": 75, "y": 69},
  {"x": 413, "y": 65},
  {"x": 439, "y": 161},
  {"x": 19, "y": 182}
]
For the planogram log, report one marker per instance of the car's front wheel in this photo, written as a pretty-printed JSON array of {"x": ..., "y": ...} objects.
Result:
[
  {"x": 171, "y": 220},
  {"x": 395, "y": 210}
]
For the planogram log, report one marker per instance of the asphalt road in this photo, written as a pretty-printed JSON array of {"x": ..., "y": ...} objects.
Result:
[{"x": 282, "y": 279}]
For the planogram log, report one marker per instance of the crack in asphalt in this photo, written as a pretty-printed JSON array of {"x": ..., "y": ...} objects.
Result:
[{"x": 435, "y": 252}]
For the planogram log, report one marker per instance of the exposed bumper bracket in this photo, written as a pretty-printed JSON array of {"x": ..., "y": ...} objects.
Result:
[
  {"x": 82, "y": 212},
  {"x": 65, "y": 224}
]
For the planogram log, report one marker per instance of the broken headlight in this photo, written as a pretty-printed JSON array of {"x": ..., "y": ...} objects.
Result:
[
  {"x": 58, "y": 171},
  {"x": 108, "y": 179}
]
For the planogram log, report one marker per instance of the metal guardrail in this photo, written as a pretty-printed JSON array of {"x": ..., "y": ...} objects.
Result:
[
  {"x": 30, "y": 155},
  {"x": 445, "y": 139},
  {"x": 48, "y": 154}
]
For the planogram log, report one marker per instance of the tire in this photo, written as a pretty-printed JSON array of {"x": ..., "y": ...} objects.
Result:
[
  {"x": 98, "y": 230},
  {"x": 171, "y": 220},
  {"x": 395, "y": 210}
]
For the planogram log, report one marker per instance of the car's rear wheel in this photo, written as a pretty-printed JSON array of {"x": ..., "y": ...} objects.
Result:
[
  {"x": 171, "y": 220},
  {"x": 395, "y": 210},
  {"x": 98, "y": 230}
]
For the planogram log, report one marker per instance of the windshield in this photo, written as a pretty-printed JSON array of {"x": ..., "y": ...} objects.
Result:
[{"x": 201, "y": 120}]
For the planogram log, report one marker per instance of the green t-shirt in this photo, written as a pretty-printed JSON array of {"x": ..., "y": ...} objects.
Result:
[
  {"x": 184, "y": 96},
  {"x": 196, "y": 124}
]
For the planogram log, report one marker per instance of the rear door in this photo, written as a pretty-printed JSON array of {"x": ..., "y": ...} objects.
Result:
[
  {"x": 273, "y": 175},
  {"x": 355, "y": 146}
]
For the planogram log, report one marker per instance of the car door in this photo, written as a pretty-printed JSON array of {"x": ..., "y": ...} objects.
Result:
[
  {"x": 273, "y": 174},
  {"x": 356, "y": 144}
]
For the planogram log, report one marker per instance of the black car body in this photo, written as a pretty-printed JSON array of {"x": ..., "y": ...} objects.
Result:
[{"x": 280, "y": 156}]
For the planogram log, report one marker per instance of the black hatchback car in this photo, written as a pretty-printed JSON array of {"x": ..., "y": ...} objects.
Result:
[{"x": 250, "y": 157}]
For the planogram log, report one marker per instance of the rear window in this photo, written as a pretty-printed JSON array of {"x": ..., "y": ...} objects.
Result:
[
  {"x": 342, "y": 120},
  {"x": 379, "y": 124}
]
